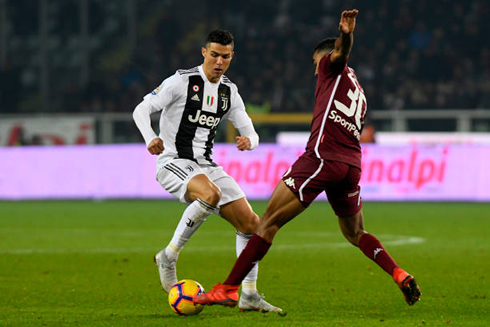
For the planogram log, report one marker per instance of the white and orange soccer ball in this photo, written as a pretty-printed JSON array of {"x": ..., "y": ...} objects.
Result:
[{"x": 181, "y": 296}]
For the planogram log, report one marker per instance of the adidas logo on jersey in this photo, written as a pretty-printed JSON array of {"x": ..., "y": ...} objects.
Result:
[{"x": 195, "y": 98}]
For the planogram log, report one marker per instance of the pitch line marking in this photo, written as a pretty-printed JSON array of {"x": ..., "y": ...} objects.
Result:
[{"x": 390, "y": 240}]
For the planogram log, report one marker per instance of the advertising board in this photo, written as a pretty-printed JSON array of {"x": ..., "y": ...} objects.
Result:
[{"x": 414, "y": 172}]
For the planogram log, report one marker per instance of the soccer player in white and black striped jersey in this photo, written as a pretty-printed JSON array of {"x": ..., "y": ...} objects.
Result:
[{"x": 192, "y": 103}]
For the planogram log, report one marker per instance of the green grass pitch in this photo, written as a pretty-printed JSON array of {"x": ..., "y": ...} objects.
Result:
[{"x": 84, "y": 263}]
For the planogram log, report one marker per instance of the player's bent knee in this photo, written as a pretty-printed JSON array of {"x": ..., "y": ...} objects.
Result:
[
  {"x": 215, "y": 196},
  {"x": 211, "y": 196},
  {"x": 250, "y": 224},
  {"x": 247, "y": 223}
]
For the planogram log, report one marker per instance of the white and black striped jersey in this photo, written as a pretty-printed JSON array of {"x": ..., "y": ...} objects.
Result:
[{"x": 192, "y": 107}]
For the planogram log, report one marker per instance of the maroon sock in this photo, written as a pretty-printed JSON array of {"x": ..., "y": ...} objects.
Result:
[
  {"x": 255, "y": 250},
  {"x": 373, "y": 249}
]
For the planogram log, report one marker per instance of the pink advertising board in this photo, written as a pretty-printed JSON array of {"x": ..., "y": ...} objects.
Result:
[{"x": 390, "y": 173}]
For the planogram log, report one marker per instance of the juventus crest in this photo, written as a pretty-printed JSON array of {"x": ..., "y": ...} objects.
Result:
[
  {"x": 225, "y": 104},
  {"x": 225, "y": 100}
]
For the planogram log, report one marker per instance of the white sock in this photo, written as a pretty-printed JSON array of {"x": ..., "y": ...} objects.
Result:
[
  {"x": 249, "y": 284},
  {"x": 193, "y": 217}
]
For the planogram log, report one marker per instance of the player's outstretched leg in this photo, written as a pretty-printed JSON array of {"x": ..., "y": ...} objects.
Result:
[
  {"x": 226, "y": 295},
  {"x": 407, "y": 285},
  {"x": 167, "y": 270},
  {"x": 250, "y": 299},
  {"x": 374, "y": 250}
]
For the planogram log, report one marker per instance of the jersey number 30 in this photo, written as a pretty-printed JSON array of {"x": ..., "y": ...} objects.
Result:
[{"x": 357, "y": 99}]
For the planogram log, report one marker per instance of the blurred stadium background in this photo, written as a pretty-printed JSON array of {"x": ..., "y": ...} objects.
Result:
[
  {"x": 416, "y": 59},
  {"x": 71, "y": 73}
]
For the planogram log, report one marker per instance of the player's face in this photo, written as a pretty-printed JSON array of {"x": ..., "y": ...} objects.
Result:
[
  {"x": 217, "y": 58},
  {"x": 317, "y": 56}
]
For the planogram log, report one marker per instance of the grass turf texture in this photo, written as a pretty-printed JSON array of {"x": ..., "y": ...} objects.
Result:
[{"x": 83, "y": 263}]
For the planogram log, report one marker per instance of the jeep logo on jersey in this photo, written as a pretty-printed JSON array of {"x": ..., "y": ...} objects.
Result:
[{"x": 203, "y": 120}]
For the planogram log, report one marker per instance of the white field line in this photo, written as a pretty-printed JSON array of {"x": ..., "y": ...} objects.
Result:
[{"x": 389, "y": 241}]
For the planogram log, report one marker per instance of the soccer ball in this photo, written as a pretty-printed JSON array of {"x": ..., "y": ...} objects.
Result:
[{"x": 181, "y": 297}]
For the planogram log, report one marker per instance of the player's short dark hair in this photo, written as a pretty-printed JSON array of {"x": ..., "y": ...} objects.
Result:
[
  {"x": 326, "y": 45},
  {"x": 222, "y": 37}
]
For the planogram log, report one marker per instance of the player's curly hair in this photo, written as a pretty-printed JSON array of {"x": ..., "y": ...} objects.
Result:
[
  {"x": 222, "y": 37},
  {"x": 326, "y": 45}
]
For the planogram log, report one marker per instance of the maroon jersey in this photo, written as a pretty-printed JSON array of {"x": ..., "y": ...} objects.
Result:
[{"x": 338, "y": 117}]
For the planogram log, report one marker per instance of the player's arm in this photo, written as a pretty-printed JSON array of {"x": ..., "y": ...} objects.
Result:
[
  {"x": 248, "y": 139},
  {"x": 155, "y": 101},
  {"x": 142, "y": 119},
  {"x": 343, "y": 45}
]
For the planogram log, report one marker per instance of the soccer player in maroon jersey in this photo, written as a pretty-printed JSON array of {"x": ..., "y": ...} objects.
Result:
[{"x": 331, "y": 163}]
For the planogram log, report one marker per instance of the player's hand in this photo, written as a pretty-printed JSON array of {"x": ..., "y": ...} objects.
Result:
[
  {"x": 156, "y": 146},
  {"x": 348, "y": 21},
  {"x": 243, "y": 143}
]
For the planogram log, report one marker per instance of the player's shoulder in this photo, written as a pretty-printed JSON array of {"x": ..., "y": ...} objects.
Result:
[
  {"x": 181, "y": 76},
  {"x": 327, "y": 60},
  {"x": 226, "y": 81},
  {"x": 177, "y": 82},
  {"x": 328, "y": 67},
  {"x": 188, "y": 72}
]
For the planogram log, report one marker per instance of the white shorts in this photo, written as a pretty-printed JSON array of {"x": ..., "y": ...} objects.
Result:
[{"x": 175, "y": 174}]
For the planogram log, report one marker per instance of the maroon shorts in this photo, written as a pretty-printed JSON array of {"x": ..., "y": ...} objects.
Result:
[{"x": 309, "y": 176}]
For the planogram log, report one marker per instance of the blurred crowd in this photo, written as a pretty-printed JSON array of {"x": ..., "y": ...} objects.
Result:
[{"x": 407, "y": 54}]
